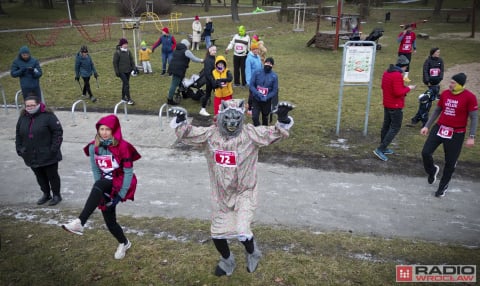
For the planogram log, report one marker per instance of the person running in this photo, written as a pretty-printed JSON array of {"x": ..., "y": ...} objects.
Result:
[
  {"x": 407, "y": 47},
  {"x": 456, "y": 105},
  {"x": 111, "y": 160},
  {"x": 85, "y": 68}
]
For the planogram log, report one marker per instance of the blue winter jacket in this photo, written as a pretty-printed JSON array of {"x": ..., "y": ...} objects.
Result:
[
  {"x": 29, "y": 71},
  {"x": 253, "y": 63},
  {"x": 263, "y": 81},
  {"x": 84, "y": 66}
]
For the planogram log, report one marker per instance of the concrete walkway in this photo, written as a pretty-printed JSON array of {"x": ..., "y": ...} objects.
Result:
[{"x": 175, "y": 183}]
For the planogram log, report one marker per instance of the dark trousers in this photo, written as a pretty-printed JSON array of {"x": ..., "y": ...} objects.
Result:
[
  {"x": 239, "y": 69},
  {"x": 86, "y": 86},
  {"x": 208, "y": 94},
  {"x": 451, "y": 147},
  {"x": 176, "y": 80},
  {"x": 263, "y": 108},
  {"x": 424, "y": 107},
  {"x": 222, "y": 246},
  {"x": 48, "y": 178},
  {"x": 392, "y": 122},
  {"x": 101, "y": 190},
  {"x": 35, "y": 91},
  {"x": 125, "y": 77}
]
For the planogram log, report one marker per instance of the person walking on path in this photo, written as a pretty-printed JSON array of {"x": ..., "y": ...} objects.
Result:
[
  {"x": 144, "y": 57},
  {"x": 28, "y": 70},
  {"x": 432, "y": 76},
  {"x": 456, "y": 105},
  {"x": 264, "y": 88},
  {"x": 85, "y": 68},
  {"x": 394, "y": 93},
  {"x": 124, "y": 65},
  {"x": 111, "y": 160},
  {"x": 408, "y": 45},
  {"x": 208, "y": 31},
  {"x": 240, "y": 44},
  {"x": 208, "y": 67},
  {"x": 178, "y": 67},
  {"x": 38, "y": 140},
  {"x": 169, "y": 44},
  {"x": 231, "y": 149},
  {"x": 252, "y": 64},
  {"x": 196, "y": 33},
  {"x": 222, "y": 84}
]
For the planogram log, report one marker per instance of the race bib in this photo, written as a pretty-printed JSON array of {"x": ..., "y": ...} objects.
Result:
[
  {"x": 263, "y": 90},
  {"x": 407, "y": 47},
  {"x": 106, "y": 163},
  {"x": 435, "y": 72},
  {"x": 226, "y": 158},
  {"x": 239, "y": 48},
  {"x": 445, "y": 132}
]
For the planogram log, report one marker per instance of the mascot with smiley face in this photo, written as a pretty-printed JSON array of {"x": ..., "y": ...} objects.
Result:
[{"x": 231, "y": 148}]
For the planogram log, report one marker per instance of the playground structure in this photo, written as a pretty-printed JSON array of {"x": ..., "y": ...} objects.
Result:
[
  {"x": 103, "y": 34},
  {"x": 151, "y": 16}
]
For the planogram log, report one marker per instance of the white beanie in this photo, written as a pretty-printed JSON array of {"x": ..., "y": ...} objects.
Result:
[{"x": 185, "y": 42}]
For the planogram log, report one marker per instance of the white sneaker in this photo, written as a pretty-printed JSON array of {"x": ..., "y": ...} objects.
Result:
[
  {"x": 75, "y": 226},
  {"x": 204, "y": 112},
  {"x": 122, "y": 249}
]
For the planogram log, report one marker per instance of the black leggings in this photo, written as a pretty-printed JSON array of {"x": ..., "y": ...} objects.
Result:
[
  {"x": 48, "y": 178},
  {"x": 222, "y": 246},
  {"x": 86, "y": 86},
  {"x": 99, "y": 189}
]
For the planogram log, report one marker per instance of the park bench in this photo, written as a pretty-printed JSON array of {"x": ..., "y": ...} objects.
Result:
[{"x": 460, "y": 15}]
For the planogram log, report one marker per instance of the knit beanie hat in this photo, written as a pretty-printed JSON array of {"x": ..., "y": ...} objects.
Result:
[
  {"x": 402, "y": 61},
  {"x": 460, "y": 78},
  {"x": 143, "y": 44},
  {"x": 165, "y": 29},
  {"x": 122, "y": 41},
  {"x": 433, "y": 50},
  {"x": 185, "y": 42},
  {"x": 270, "y": 60},
  {"x": 196, "y": 18}
]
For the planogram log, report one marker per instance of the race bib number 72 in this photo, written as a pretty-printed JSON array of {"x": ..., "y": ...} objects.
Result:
[{"x": 226, "y": 158}]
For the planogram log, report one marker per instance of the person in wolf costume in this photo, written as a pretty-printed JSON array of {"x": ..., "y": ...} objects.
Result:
[{"x": 231, "y": 148}]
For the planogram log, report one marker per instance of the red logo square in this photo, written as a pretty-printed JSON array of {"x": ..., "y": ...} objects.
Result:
[{"x": 404, "y": 273}]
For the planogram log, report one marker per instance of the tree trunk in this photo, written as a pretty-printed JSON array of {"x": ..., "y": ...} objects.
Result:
[
  {"x": 254, "y": 4},
  {"x": 46, "y": 4},
  {"x": 234, "y": 11},
  {"x": 71, "y": 3},
  {"x": 283, "y": 11},
  {"x": 438, "y": 7},
  {"x": 207, "y": 5},
  {"x": 2, "y": 12}
]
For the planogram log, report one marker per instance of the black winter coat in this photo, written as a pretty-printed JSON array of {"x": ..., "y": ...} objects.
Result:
[
  {"x": 179, "y": 64},
  {"x": 208, "y": 67},
  {"x": 39, "y": 137},
  {"x": 433, "y": 71}
]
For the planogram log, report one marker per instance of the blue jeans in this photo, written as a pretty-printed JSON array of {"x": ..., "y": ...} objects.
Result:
[
  {"x": 166, "y": 58},
  {"x": 392, "y": 122},
  {"x": 208, "y": 43}
]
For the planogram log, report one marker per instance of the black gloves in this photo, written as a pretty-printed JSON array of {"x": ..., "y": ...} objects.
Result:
[
  {"x": 180, "y": 112},
  {"x": 77, "y": 78},
  {"x": 95, "y": 75},
  {"x": 282, "y": 111}
]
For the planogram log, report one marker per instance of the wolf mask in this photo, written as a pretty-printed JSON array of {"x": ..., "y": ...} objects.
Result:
[{"x": 230, "y": 117}]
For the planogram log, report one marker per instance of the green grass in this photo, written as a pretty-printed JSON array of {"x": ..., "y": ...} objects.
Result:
[{"x": 179, "y": 252}]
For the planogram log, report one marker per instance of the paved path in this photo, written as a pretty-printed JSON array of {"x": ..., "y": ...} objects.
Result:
[{"x": 174, "y": 183}]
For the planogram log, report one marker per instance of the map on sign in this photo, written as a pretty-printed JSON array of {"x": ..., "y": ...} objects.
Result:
[{"x": 358, "y": 63}]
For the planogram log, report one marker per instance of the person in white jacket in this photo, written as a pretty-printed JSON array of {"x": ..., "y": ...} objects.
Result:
[
  {"x": 197, "y": 33},
  {"x": 240, "y": 45}
]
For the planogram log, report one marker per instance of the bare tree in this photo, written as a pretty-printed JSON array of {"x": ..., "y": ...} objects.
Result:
[
  {"x": 71, "y": 4},
  {"x": 283, "y": 11},
  {"x": 2, "y": 12},
  {"x": 438, "y": 7},
  {"x": 207, "y": 5},
  {"x": 132, "y": 6}
]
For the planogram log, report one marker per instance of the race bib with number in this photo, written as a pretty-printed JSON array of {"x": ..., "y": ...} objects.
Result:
[
  {"x": 407, "y": 47},
  {"x": 226, "y": 158},
  {"x": 239, "y": 48},
  {"x": 435, "y": 72},
  {"x": 263, "y": 90},
  {"x": 106, "y": 163},
  {"x": 445, "y": 132}
]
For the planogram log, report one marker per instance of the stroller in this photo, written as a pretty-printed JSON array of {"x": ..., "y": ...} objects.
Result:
[
  {"x": 191, "y": 87},
  {"x": 376, "y": 34}
]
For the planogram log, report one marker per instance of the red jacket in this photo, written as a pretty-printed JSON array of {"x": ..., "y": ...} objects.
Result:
[{"x": 394, "y": 90}]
